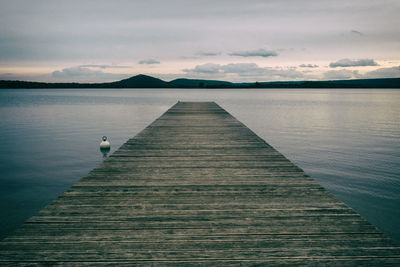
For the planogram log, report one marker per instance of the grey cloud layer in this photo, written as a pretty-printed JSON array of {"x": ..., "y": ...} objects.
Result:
[
  {"x": 234, "y": 71},
  {"x": 356, "y": 32},
  {"x": 308, "y": 66},
  {"x": 85, "y": 74},
  {"x": 243, "y": 71},
  {"x": 149, "y": 61},
  {"x": 208, "y": 54},
  {"x": 107, "y": 30},
  {"x": 254, "y": 53},
  {"x": 341, "y": 74},
  {"x": 251, "y": 70},
  {"x": 393, "y": 72},
  {"x": 104, "y": 66},
  {"x": 353, "y": 63},
  {"x": 74, "y": 32}
]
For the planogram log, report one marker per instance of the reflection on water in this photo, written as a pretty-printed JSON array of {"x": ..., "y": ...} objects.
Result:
[
  {"x": 348, "y": 140},
  {"x": 104, "y": 151}
]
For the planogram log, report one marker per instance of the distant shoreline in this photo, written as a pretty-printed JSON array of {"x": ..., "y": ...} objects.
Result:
[{"x": 144, "y": 81}]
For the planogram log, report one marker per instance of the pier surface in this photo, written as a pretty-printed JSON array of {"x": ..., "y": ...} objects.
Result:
[{"x": 198, "y": 187}]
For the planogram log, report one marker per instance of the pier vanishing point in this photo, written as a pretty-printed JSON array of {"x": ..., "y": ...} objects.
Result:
[{"x": 197, "y": 187}]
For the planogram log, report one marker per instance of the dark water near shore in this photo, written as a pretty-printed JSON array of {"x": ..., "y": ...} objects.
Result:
[{"x": 346, "y": 139}]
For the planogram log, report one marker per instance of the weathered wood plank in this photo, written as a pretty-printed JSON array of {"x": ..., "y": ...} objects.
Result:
[{"x": 197, "y": 187}]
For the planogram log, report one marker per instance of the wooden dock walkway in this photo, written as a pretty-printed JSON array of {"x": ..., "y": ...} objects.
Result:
[{"x": 197, "y": 187}]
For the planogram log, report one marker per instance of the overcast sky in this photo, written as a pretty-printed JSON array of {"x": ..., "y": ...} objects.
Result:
[{"x": 267, "y": 40}]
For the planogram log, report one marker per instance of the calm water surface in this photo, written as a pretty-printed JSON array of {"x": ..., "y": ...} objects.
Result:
[{"x": 348, "y": 140}]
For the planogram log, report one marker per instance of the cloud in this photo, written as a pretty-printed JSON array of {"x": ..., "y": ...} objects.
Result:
[
  {"x": 104, "y": 66},
  {"x": 243, "y": 72},
  {"x": 353, "y": 63},
  {"x": 208, "y": 68},
  {"x": 243, "y": 68},
  {"x": 86, "y": 74},
  {"x": 149, "y": 61},
  {"x": 254, "y": 53},
  {"x": 208, "y": 54},
  {"x": 341, "y": 74},
  {"x": 355, "y": 32},
  {"x": 236, "y": 68},
  {"x": 393, "y": 72},
  {"x": 13, "y": 76},
  {"x": 308, "y": 66}
]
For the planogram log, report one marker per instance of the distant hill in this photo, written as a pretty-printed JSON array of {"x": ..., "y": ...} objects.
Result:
[
  {"x": 140, "y": 81},
  {"x": 144, "y": 81}
]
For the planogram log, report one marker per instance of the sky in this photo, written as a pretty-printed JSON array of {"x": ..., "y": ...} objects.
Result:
[{"x": 268, "y": 40}]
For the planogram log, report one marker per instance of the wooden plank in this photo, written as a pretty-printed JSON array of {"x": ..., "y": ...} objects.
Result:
[{"x": 197, "y": 187}]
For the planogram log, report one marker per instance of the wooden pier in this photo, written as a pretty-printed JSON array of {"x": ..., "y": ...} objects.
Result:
[{"x": 197, "y": 187}]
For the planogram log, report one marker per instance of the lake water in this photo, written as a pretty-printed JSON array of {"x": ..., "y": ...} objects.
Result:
[{"x": 348, "y": 140}]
